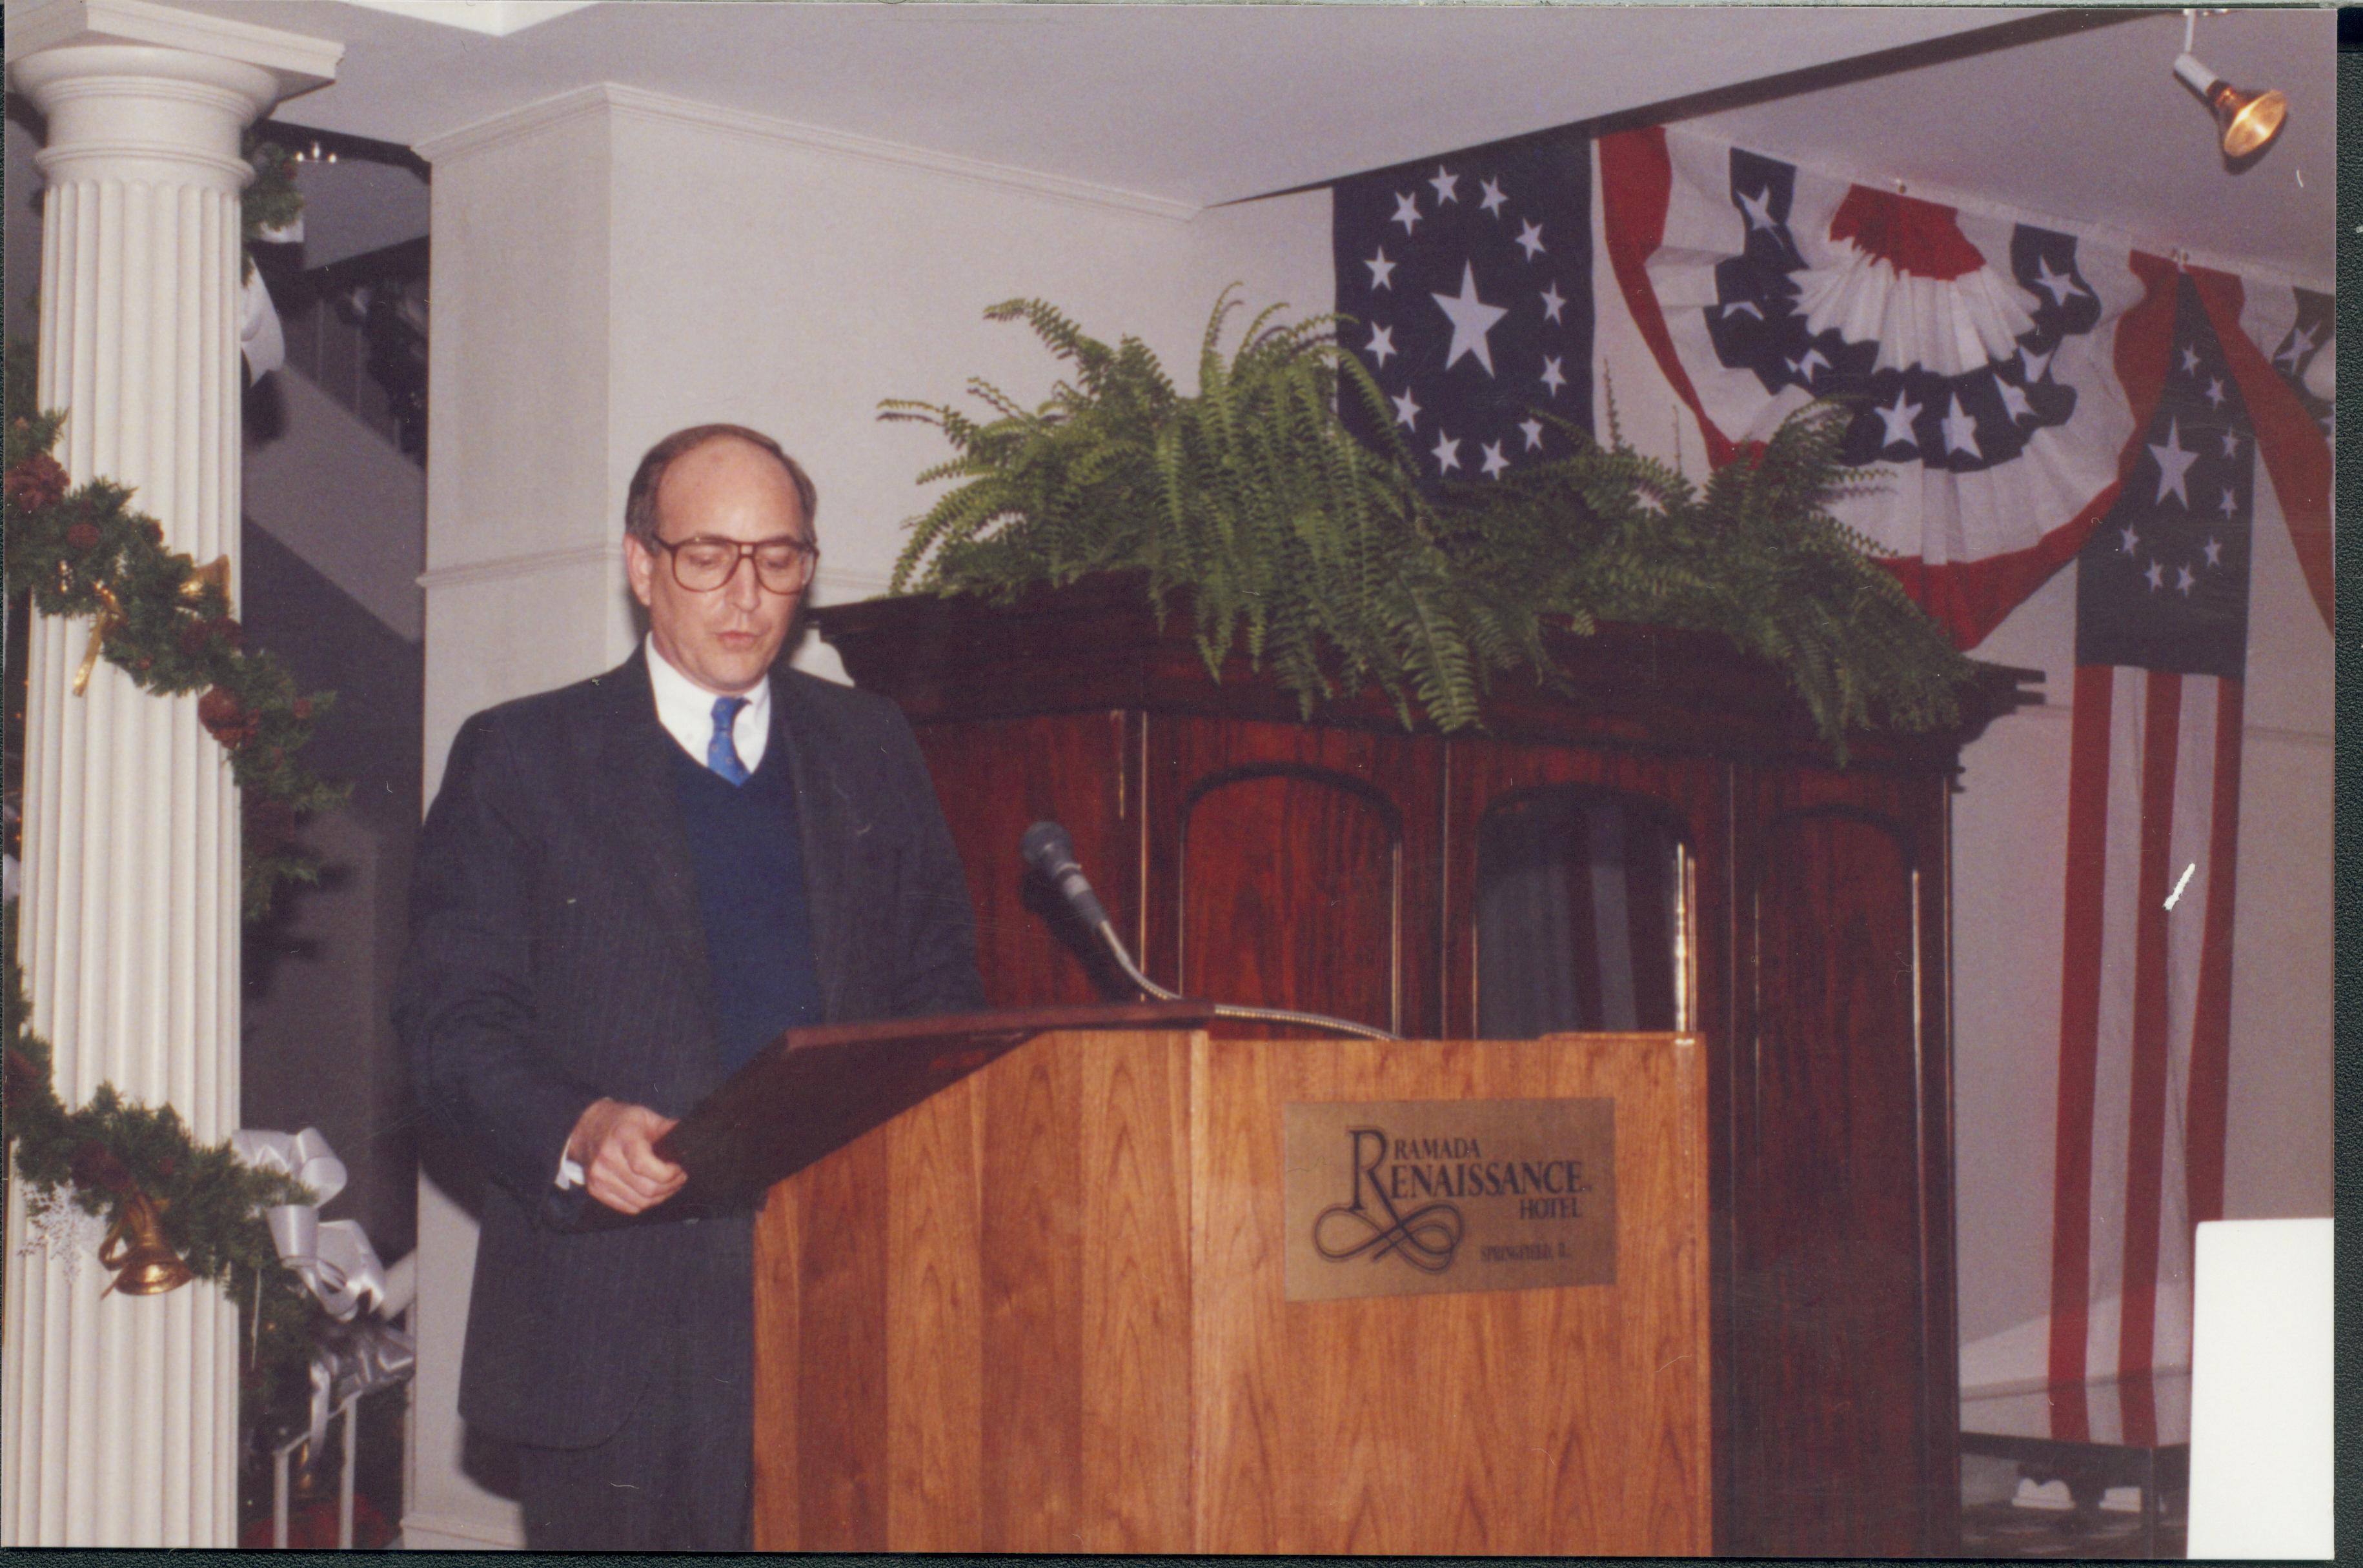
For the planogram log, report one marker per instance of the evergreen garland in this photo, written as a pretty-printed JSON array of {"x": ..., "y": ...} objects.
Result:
[
  {"x": 211, "y": 1202},
  {"x": 1331, "y": 559},
  {"x": 81, "y": 551},
  {"x": 84, "y": 552}
]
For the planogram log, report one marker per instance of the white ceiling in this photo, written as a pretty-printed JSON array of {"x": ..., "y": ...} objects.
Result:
[
  {"x": 1198, "y": 103},
  {"x": 1202, "y": 104}
]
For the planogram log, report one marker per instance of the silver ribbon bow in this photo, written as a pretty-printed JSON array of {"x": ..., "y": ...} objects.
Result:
[
  {"x": 333, "y": 1257},
  {"x": 353, "y": 1359}
]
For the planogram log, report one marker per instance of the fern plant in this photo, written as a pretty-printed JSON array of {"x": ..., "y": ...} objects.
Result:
[{"x": 1328, "y": 558}]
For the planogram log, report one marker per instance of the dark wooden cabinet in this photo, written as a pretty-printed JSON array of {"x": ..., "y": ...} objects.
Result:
[{"x": 1340, "y": 865}]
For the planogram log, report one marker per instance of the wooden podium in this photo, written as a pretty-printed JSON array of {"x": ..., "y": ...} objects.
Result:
[{"x": 1050, "y": 1304}]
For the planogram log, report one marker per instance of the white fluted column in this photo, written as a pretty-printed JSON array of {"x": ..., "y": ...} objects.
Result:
[{"x": 120, "y": 1412}]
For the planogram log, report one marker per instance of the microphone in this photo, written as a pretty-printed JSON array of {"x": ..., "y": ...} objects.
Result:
[{"x": 1052, "y": 853}]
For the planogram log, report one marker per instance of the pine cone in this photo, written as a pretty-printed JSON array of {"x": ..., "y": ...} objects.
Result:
[
  {"x": 35, "y": 483},
  {"x": 95, "y": 1166},
  {"x": 220, "y": 713}
]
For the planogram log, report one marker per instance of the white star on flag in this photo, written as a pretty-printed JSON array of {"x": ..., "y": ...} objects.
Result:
[
  {"x": 1406, "y": 411},
  {"x": 1447, "y": 186},
  {"x": 2173, "y": 462},
  {"x": 2299, "y": 347},
  {"x": 2231, "y": 445},
  {"x": 1447, "y": 453},
  {"x": 1962, "y": 430},
  {"x": 2060, "y": 286},
  {"x": 2014, "y": 399},
  {"x": 1759, "y": 209},
  {"x": 1382, "y": 272},
  {"x": 2132, "y": 540},
  {"x": 1553, "y": 302},
  {"x": 2214, "y": 552},
  {"x": 2215, "y": 393},
  {"x": 1406, "y": 210},
  {"x": 1552, "y": 376},
  {"x": 2182, "y": 580},
  {"x": 1495, "y": 462},
  {"x": 2035, "y": 364},
  {"x": 1471, "y": 319},
  {"x": 1534, "y": 429},
  {"x": 1530, "y": 237},
  {"x": 1493, "y": 197},
  {"x": 2190, "y": 357},
  {"x": 2231, "y": 506},
  {"x": 1382, "y": 343},
  {"x": 1897, "y": 417},
  {"x": 2157, "y": 576}
]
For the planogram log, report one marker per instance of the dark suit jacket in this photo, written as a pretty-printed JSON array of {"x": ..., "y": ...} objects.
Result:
[{"x": 557, "y": 954}]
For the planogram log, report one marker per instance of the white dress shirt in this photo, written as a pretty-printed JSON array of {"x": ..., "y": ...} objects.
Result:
[{"x": 685, "y": 709}]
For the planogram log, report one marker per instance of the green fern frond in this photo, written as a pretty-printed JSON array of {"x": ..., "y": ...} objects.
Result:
[{"x": 1306, "y": 549}]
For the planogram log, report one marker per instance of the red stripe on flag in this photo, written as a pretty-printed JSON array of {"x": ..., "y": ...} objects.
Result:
[
  {"x": 2079, "y": 1045},
  {"x": 2144, "y": 347},
  {"x": 2211, "y": 1027},
  {"x": 2292, "y": 444},
  {"x": 1917, "y": 238},
  {"x": 1970, "y": 599},
  {"x": 2145, "y": 1116},
  {"x": 1637, "y": 182}
]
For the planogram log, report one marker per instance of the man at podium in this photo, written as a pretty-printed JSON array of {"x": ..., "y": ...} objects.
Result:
[{"x": 624, "y": 889}]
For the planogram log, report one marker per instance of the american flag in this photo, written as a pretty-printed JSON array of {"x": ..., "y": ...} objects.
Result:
[
  {"x": 1468, "y": 280},
  {"x": 2313, "y": 333},
  {"x": 1979, "y": 351},
  {"x": 2153, "y": 815}
]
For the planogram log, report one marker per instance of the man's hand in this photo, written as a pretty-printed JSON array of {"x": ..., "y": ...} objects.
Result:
[{"x": 616, "y": 1146}]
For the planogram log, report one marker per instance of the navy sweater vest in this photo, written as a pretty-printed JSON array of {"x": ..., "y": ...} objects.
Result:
[{"x": 745, "y": 850}]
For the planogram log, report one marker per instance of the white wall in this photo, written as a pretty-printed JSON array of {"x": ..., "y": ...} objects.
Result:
[
  {"x": 2010, "y": 832},
  {"x": 613, "y": 266},
  {"x": 793, "y": 284}
]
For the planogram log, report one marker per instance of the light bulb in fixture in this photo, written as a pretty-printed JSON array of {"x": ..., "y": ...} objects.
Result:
[{"x": 2247, "y": 121}]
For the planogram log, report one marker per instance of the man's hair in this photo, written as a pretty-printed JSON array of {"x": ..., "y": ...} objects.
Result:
[{"x": 640, "y": 520}]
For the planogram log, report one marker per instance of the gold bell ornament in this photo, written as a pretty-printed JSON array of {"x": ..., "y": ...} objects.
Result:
[{"x": 135, "y": 1248}]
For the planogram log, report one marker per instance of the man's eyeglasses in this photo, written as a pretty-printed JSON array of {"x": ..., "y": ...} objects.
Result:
[{"x": 703, "y": 565}]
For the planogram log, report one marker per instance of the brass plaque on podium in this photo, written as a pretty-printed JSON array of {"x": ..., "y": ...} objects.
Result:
[{"x": 1400, "y": 1197}]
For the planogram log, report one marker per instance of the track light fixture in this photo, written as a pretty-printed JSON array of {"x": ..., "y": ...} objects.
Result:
[{"x": 2246, "y": 121}]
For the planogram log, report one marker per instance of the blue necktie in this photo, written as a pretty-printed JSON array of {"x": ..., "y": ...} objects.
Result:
[{"x": 722, "y": 751}]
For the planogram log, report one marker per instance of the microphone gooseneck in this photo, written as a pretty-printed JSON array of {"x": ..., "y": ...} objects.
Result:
[{"x": 1052, "y": 855}]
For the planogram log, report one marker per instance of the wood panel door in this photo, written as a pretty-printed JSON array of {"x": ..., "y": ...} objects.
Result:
[
  {"x": 996, "y": 778},
  {"x": 1295, "y": 868},
  {"x": 1843, "y": 1364}
]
